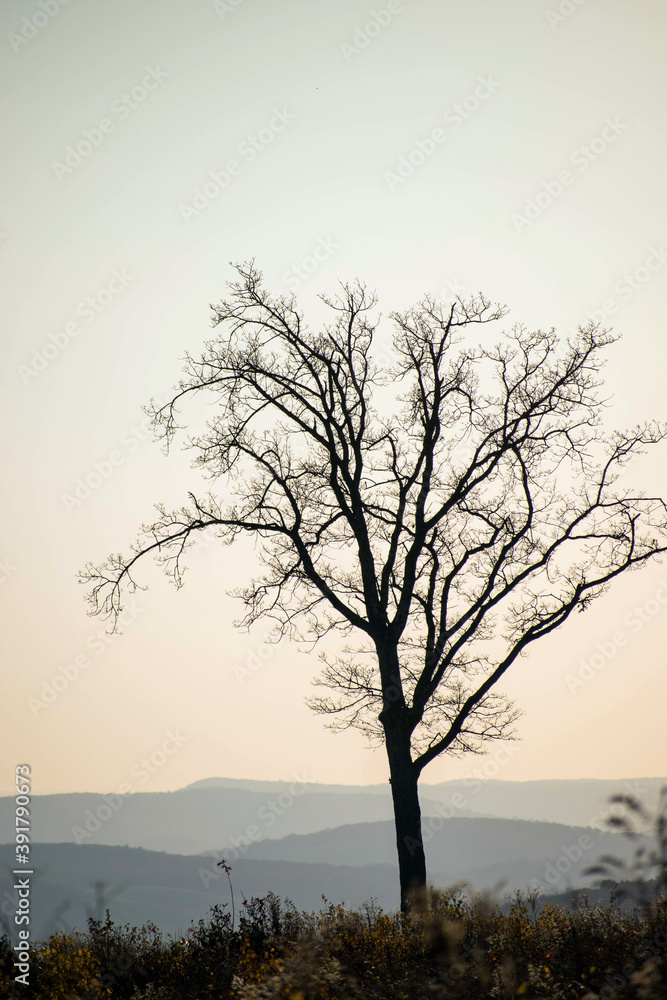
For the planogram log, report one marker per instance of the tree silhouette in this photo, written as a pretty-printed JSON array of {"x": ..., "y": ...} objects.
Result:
[{"x": 441, "y": 541}]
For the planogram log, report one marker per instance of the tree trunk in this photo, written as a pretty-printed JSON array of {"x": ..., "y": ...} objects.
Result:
[{"x": 407, "y": 814}]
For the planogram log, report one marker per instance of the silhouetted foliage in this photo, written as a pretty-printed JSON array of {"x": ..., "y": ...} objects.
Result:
[{"x": 646, "y": 877}]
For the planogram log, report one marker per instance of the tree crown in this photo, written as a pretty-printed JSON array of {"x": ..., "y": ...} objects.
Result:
[{"x": 454, "y": 532}]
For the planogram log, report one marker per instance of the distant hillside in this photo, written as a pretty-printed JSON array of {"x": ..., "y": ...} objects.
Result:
[
  {"x": 72, "y": 883},
  {"x": 484, "y": 853},
  {"x": 192, "y": 820},
  {"x": 250, "y": 785},
  {"x": 167, "y": 889},
  {"x": 188, "y": 821},
  {"x": 458, "y": 849},
  {"x": 217, "y": 816},
  {"x": 576, "y": 802},
  {"x": 579, "y": 802}
]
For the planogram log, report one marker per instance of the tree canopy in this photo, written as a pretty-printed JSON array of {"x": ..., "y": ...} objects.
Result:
[{"x": 441, "y": 508}]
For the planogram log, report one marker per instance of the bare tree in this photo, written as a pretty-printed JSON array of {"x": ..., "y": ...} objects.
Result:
[{"x": 441, "y": 541}]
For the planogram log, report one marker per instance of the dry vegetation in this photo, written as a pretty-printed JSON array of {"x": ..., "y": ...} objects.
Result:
[{"x": 448, "y": 948}]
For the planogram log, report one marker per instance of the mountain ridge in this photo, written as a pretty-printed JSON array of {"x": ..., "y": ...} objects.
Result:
[
  {"x": 229, "y": 816},
  {"x": 75, "y": 882}
]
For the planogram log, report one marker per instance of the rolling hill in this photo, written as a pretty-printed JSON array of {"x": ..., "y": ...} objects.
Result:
[
  {"x": 230, "y": 812},
  {"x": 348, "y": 864}
]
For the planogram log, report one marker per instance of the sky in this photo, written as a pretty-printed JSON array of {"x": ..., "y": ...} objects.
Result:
[{"x": 426, "y": 147}]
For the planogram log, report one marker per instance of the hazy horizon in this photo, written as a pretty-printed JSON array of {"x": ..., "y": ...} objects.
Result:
[{"x": 630, "y": 783}]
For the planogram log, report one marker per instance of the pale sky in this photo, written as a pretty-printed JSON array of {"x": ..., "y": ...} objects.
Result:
[{"x": 404, "y": 142}]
